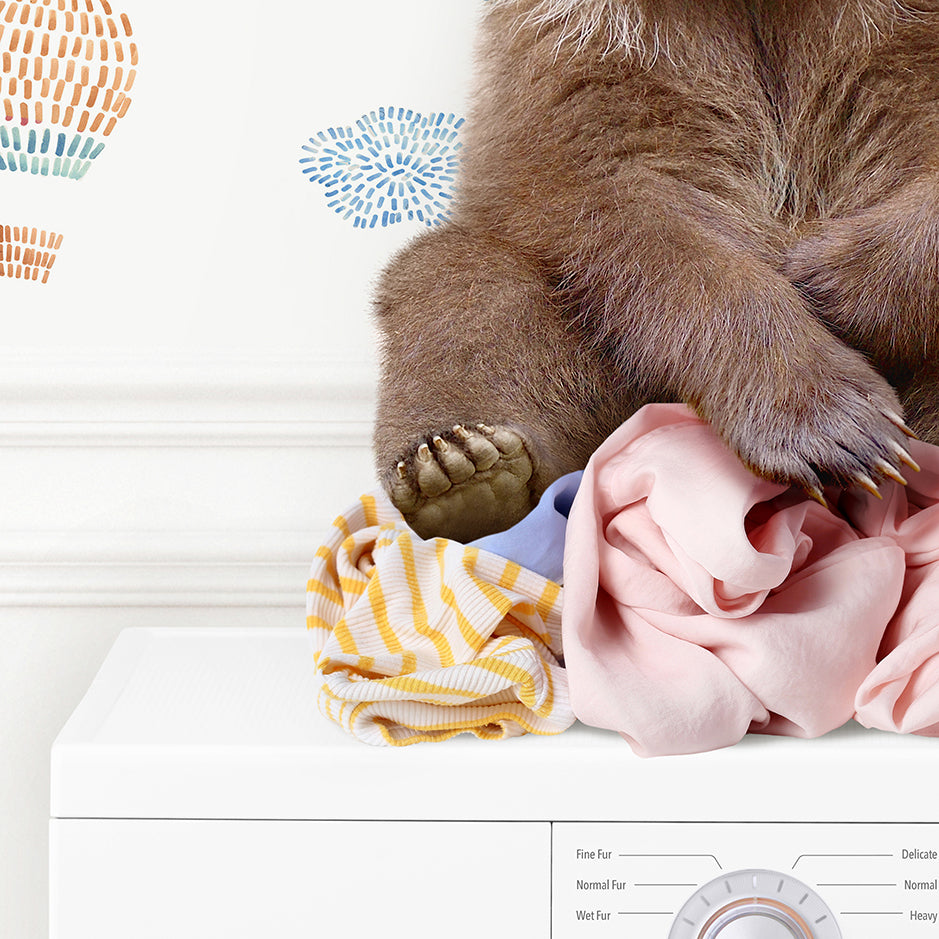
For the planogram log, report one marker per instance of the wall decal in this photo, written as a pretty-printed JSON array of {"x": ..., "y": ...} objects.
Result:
[
  {"x": 67, "y": 70},
  {"x": 395, "y": 165},
  {"x": 27, "y": 253}
]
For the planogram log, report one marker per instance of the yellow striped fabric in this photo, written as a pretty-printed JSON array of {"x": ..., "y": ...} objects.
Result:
[{"x": 421, "y": 640}]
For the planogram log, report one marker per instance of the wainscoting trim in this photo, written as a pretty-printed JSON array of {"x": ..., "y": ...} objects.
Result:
[{"x": 254, "y": 412}]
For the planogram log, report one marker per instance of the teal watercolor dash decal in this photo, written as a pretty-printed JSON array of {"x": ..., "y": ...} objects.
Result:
[
  {"x": 395, "y": 165},
  {"x": 43, "y": 152}
]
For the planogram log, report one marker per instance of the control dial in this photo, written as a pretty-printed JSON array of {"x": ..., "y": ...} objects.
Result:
[{"x": 755, "y": 904}]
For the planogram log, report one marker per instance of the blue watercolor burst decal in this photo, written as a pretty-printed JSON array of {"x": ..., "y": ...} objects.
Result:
[{"x": 395, "y": 165}]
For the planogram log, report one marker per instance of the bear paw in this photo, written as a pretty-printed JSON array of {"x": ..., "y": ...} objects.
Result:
[
  {"x": 464, "y": 483},
  {"x": 842, "y": 431}
]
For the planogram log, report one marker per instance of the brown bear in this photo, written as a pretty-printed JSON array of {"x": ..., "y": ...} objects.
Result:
[{"x": 730, "y": 203}]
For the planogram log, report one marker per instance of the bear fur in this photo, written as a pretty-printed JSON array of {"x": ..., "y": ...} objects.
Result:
[{"x": 730, "y": 203}]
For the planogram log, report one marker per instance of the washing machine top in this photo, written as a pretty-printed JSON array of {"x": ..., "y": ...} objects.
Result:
[{"x": 223, "y": 723}]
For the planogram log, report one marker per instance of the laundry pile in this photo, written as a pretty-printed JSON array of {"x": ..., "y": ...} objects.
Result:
[
  {"x": 420, "y": 640},
  {"x": 699, "y": 603}
]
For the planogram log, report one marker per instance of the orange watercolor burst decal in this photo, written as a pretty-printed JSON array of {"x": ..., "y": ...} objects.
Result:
[
  {"x": 68, "y": 67},
  {"x": 27, "y": 253}
]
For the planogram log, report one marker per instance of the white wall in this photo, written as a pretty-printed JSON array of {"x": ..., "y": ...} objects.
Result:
[{"x": 187, "y": 402}]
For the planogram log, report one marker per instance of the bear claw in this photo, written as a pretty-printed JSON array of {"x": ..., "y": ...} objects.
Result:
[{"x": 904, "y": 456}]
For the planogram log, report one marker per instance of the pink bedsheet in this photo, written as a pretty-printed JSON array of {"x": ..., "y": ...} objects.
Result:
[{"x": 702, "y": 602}]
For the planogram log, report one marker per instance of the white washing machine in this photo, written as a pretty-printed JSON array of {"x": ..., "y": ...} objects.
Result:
[{"x": 198, "y": 793}]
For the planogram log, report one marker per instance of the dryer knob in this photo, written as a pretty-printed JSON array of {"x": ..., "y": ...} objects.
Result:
[
  {"x": 755, "y": 904},
  {"x": 756, "y": 927}
]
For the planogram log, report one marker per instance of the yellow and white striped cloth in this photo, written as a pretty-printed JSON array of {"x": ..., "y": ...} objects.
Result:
[{"x": 421, "y": 640}]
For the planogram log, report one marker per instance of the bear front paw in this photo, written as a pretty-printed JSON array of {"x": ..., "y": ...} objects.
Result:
[{"x": 842, "y": 429}]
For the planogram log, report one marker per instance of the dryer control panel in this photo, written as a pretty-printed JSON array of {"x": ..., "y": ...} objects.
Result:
[{"x": 759, "y": 880}]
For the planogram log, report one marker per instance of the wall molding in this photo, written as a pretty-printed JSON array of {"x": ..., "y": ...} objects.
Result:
[
  {"x": 311, "y": 414},
  {"x": 169, "y": 569},
  {"x": 181, "y": 399},
  {"x": 164, "y": 433},
  {"x": 55, "y": 388}
]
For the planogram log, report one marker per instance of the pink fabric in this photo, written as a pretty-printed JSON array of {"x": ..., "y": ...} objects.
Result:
[
  {"x": 702, "y": 602},
  {"x": 902, "y": 691}
]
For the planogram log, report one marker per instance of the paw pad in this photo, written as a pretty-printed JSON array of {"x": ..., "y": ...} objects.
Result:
[{"x": 464, "y": 483}]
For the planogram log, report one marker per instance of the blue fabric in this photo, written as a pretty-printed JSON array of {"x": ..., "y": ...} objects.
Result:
[{"x": 537, "y": 541}]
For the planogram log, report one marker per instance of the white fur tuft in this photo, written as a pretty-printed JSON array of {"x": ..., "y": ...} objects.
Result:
[{"x": 620, "y": 22}]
